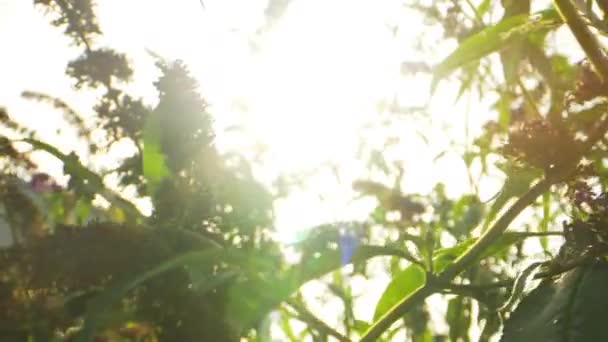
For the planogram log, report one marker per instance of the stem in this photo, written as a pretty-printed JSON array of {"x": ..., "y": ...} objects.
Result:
[
  {"x": 384, "y": 322},
  {"x": 583, "y": 35},
  {"x": 529, "y": 99},
  {"x": 596, "y": 55},
  {"x": 304, "y": 315},
  {"x": 496, "y": 230}
]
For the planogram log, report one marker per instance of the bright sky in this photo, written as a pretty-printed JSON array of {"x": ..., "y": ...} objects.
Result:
[{"x": 304, "y": 90}]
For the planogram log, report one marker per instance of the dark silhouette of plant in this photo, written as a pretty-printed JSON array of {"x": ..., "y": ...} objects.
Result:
[{"x": 203, "y": 265}]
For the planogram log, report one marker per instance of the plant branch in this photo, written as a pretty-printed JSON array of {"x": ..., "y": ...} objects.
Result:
[
  {"x": 384, "y": 322},
  {"x": 584, "y": 36},
  {"x": 475, "y": 251},
  {"x": 304, "y": 315},
  {"x": 554, "y": 269},
  {"x": 596, "y": 54},
  {"x": 496, "y": 230}
]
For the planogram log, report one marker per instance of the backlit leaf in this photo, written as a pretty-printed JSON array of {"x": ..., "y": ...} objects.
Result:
[
  {"x": 492, "y": 39},
  {"x": 401, "y": 286},
  {"x": 257, "y": 295}
]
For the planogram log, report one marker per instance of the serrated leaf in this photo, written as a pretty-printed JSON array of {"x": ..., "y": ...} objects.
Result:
[
  {"x": 492, "y": 39},
  {"x": 402, "y": 285}
]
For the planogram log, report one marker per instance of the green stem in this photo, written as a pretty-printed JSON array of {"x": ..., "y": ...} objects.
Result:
[
  {"x": 390, "y": 317},
  {"x": 584, "y": 36},
  {"x": 304, "y": 315},
  {"x": 595, "y": 53},
  {"x": 496, "y": 230}
]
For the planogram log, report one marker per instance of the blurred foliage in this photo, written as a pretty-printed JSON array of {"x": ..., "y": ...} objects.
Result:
[{"x": 82, "y": 263}]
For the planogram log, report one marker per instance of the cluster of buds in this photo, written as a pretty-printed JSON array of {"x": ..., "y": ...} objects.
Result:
[
  {"x": 538, "y": 143},
  {"x": 588, "y": 85}
]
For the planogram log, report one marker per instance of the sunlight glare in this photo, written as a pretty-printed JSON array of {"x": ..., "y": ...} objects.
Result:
[{"x": 318, "y": 77}]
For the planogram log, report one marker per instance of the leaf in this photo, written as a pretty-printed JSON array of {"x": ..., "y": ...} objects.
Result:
[
  {"x": 483, "y": 8},
  {"x": 458, "y": 317},
  {"x": 471, "y": 74},
  {"x": 519, "y": 287},
  {"x": 154, "y": 164},
  {"x": 101, "y": 304},
  {"x": 360, "y": 326},
  {"x": 377, "y": 160},
  {"x": 446, "y": 256},
  {"x": 402, "y": 285},
  {"x": 91, "y": 181},
  {"x": 572, "y": 308},
  {"x": 492, "y": 39},
  {"x": 504, "y": 110},
  {"x": 261, "y": 291},
  {"x": 467, "y": 214},
  {"x": 517, "y": 183}
]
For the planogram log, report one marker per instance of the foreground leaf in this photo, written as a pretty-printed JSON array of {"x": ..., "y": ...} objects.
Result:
[
  {"x": 260, "y": 292},
  {"x": 102, "y": 304},
  {"x": 401, "y": 286},
  {"x": 570, "y": 308}
]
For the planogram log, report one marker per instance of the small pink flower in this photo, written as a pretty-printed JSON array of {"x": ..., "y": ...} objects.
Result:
[{"x": 43, "y": 183}]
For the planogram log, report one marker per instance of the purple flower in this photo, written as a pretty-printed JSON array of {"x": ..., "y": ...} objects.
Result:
[
  {"x": 42, "y": 183},
  {"x": 348, "y": 244}
]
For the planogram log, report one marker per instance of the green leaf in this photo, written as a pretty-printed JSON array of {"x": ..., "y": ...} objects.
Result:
[
  {"x": 401, "y": 286},
  {"x": 445, "y": 256},
  {"x": 572, "y": 307},
  {"x": 101, "y": 304},
  {"x": 377, "y": 160},
  {"x": 467, "y": 214},
  {"x": 360, "y": 326},
  {"x": 483, "y": 8},
  {"x": 91, "y": 182},
  {"x": 517, "y": 183},
  {"x": 262, "y": 290},
  {"x": 504, "y": 110},
  {"x": 154, "y": 164},
  {"x": 471, "y": 74},
  {"x": 492, "y": 39},
  {"x": 458, "y": 317}
]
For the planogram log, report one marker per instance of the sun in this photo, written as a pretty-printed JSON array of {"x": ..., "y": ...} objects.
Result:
[
  {"x": 318, "y": 77},
  {"x": 303, "y": 86},
  {"x": 315, "y": 81}
]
